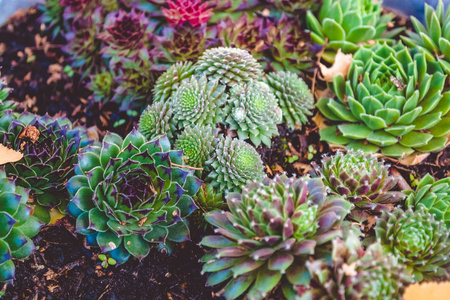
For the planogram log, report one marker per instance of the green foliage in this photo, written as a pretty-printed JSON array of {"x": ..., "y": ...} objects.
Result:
[
  {"x": 390, "y": 102},
  {"x": 157, "y": 120},
  {"x": 207, "y": 199},
  {"x": 169, "y": 81},
  {"x": 269, "y": 233},
  {"x": 295, "y": 7},
  {"x": 4, "y": 93}
]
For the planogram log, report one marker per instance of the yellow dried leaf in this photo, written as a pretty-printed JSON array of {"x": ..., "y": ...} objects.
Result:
[
  {"x": 413, "y": 159},
  {"x": 340, "y": 66},
  {"x": 9, "y": 155},
  {"x": 349, "y": 270},
  {"x": 428, "y": 291}
]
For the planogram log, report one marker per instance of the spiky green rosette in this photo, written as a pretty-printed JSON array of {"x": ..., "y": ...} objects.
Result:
[
  {"x": 198, "y": 102},
  {"x": 50, "y": 148},
  {"x": 126, "y": 194},
  {"x": 355, "y": 273},
  {"x": 390, "y": 102},
  {"x": 418, "y": 240},
  {"x": 233, "y": 164},
  {"x": 207, "y": 199},
  {"x": 157, "y": 120},
  {"x": 170, "y": 80},
  {"x": 432, "y": 195},
  {"x": 432, "y": 39},
  {"x": 17, "y": 226},
  {"x": 228, "y": 65},
  {"x": 253, "y": 112},
  {"x": 362, "y": 180},
  {"x": 271, "y": 230},
  {"x": 345, "y": 24},
  {"x": 296, "y": 100},
  {"x": 198, "y": 144}
]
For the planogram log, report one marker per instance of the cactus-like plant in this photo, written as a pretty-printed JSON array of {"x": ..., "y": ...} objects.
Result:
[
  {"x": 253, "y": 111},
  {"x": 233, "y": 164},
  {"x": 17, "y": 226},
  {"x": 169, "y": 81},
  {"x": 362, "y": 180},
  {"x": 272, "y": 228},
  {"x": 390, "y": 102},
  {"x": 128, "y": 194},
  {"x": 156, "y": 120},
  {"x": 418, "y": 240},
  {"x": 434, "y": 195},
  {"x": 50, "y": 148},
  {"x": 296, "y": 100}
]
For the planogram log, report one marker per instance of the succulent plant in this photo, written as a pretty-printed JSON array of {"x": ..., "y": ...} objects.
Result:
[
  {"x": 228, "y": 65},
  {"x": 233, "y": 164},
  {"x": 419, "y": 241},
  {"x": 198, "y": 102},
  {"x": 198, "y": 144},
  {"x": 432, "y": 39},
  {"x": 193, "y": 11},
  {"x": 271, "y": 230},
  {"x": 127, "y": 194},
  {"x": 50, "y": 148},
  {"x": 52, "y": 16},
  {"x": 4, "y": 93},
  {"x": 362, "y": 180},
  {"x": 252, "y": 110},
  {"x": 102, "y": 86},
  {"x": 296, "y": 100},
  {"x": 432, "y": 195},
  {"x": 169, "y": 81},
  {"x": 295, "y": 6},
  {"x": 345, "y": 24},
  {"x": 207, "y": 199},
  {"x": 17, "y": 228},
  {"x": 390, "y": 101},
  {"x": 355, "y": 273},
  {"x": 157, "y": 120}
]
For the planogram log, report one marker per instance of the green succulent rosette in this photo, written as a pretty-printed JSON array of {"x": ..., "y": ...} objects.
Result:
[
  {"x": 207, "y": 200},
  {"x": 157, "y": 120},
  {"x": 128, "y": 194},
  {"x": 434, "y": 195},
  {"x": 391, "y": 102},
  {"x": 345, "y": 24},
  {"x": 272, "y": 229},
  {"x": 355, "y": 274},
  {"x": 433, "y": 38},
  {"x": 50, "y": 147},
  {"x": 252, "y": 110},
  {"x": 17, "y": 226},
  {"x": 169, "y": 81},
  {"x": 419, "y": 241}
]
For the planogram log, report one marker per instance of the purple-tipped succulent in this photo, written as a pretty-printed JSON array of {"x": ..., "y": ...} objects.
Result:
[{"x": 273, "y": 227}]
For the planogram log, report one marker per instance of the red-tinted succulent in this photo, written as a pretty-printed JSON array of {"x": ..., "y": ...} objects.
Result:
[{"x": 192, "y": 11}]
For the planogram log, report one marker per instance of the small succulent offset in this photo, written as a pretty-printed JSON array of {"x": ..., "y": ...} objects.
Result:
[
  {"x": 17, "y": 226},
  {"x": 296, "y": 100},
  {"x": 50, "y": 148},
  {"x": 207, "y": 199},
  {"x": 268, "y": 235},
  {"x": 127, "y": 194},
  {"x": 432, "y": 195},
  {"x": 390, "y": 102},
  {"x": 252, "y": 110},
  {"x": 434, "y": 39},
  {"x": 157, "y": 120},
  {"x": 362, "y": 180},
  {"x": 233, "y": 164},
  {"x": 344, "y": 24},
  {"x": 419, "y": 241},
  {"x": 170, "y": 80},
  {"x": 356, "y": 274}
]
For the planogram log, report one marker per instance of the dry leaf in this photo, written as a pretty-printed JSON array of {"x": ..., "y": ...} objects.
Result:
[
  {"x": 319, "y": 120},
  {"x": 326, "y": 93},
  {"x": 428, "y": 291},
  {"x": 9, "y": 155},
  {"x": 302, "y": 168},
  {"x": 413, "y": 159},
  {"x": 349, "y": 270},
  {"x": 340, "y": 66},
  {"x": 371, "y": 221}
]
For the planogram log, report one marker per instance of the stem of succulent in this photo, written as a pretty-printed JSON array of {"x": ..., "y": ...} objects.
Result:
[{"x": 187, "y": 167}]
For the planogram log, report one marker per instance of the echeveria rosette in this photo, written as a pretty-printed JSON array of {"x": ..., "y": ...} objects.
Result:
[
  {"x": 296, "y": 100},
  {"x": 433, "y": 39},
  {"x": 198, "y": 101},
  {"x": 345, "y": 24},
  {"x": 170, "y": 80},
  {"x": 233, "y": 164},
  {"x": 17, "y": 226},
  {"x": 252, "y": 110},
  {"x": 273, "y": 227},
  {"x": 157, "y": 120},
  {"x": 434, "y": 195},
  {"x": 127, "y": 194},
  {"x": 207, "y": 199},
  {"x": 198, "y": 144},
  {"x": 195, "y": 12},
  {"x": 50, "y": 147},
  {"x": 362, "y": 180},
  {"x": 390, "y": 102},
  {"x": 355, "y": 274},
  {"x": 228, "y": 65},
  {"x": 419, "y": 241}
]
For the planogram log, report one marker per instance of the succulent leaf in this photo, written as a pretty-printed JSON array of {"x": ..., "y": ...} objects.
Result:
[
  {"x": 169, "y": 81},
  {"x": 157, "y": 120}
]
